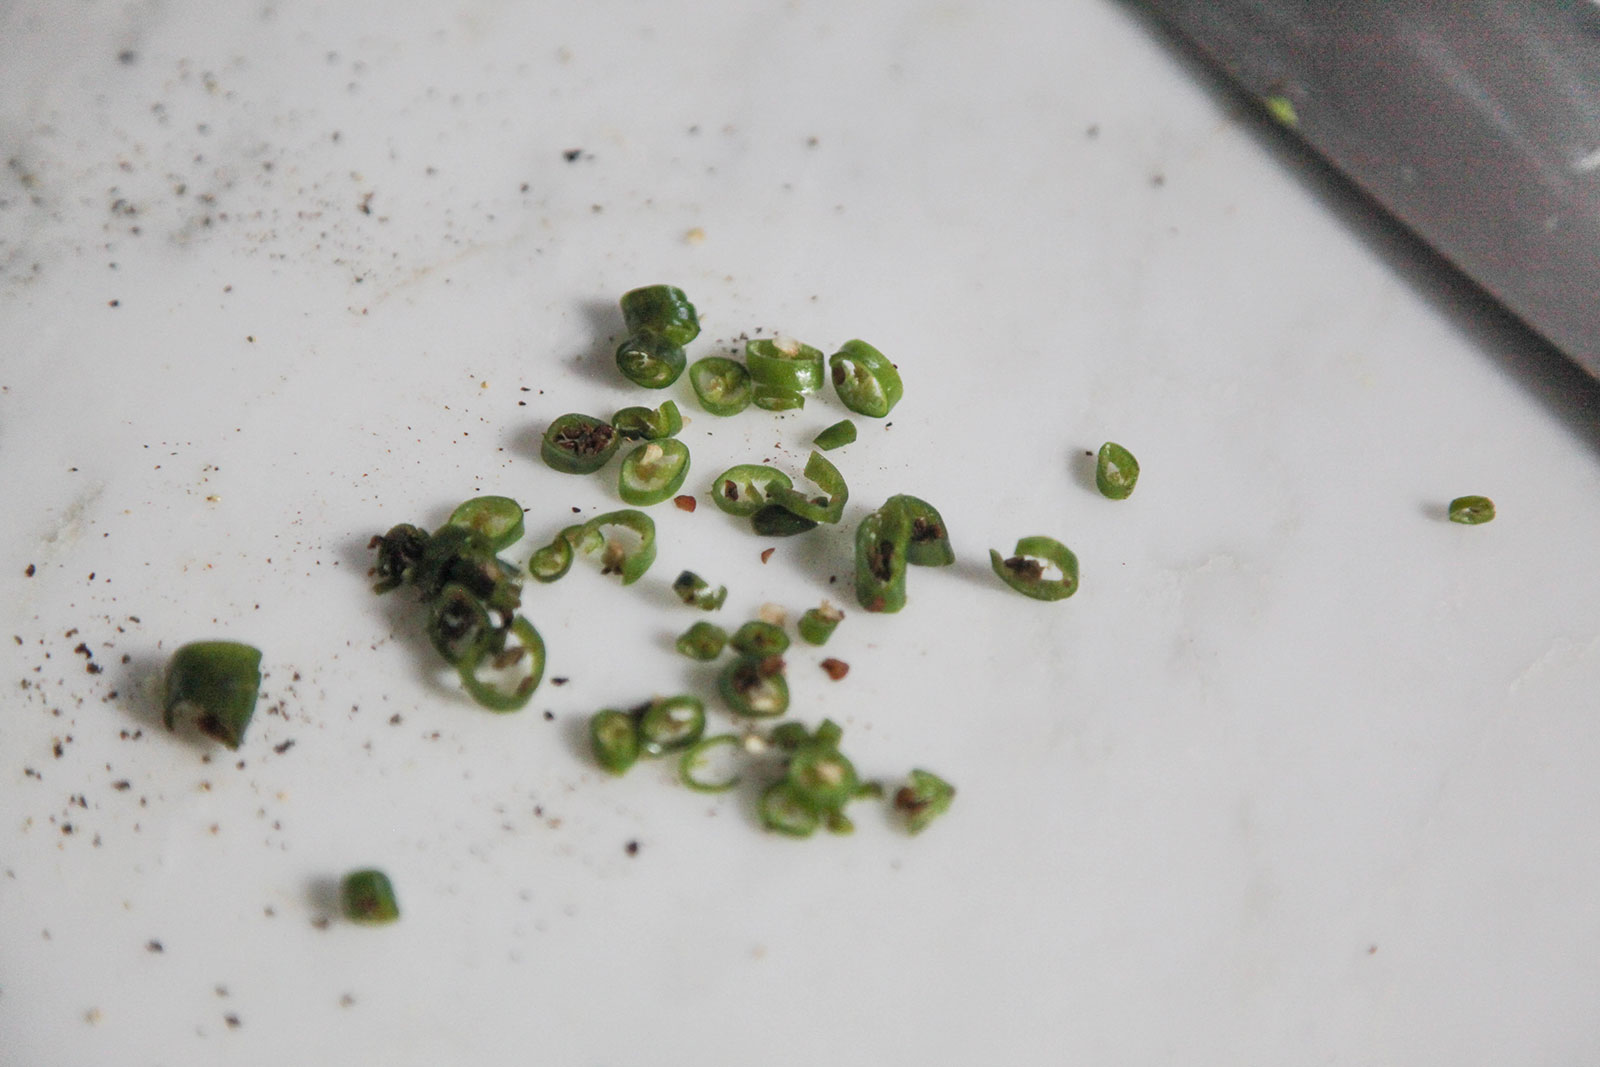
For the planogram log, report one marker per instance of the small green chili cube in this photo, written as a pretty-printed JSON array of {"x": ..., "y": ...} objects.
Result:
[
  {"x": 922, "y": 799},
  {"x": 368, "y": 897},
  {"x": 703, "y": 641},
  {"x": 1471, "y": 510},
  {"x": 614, "y": 737},
  {"x": 217, "y": 683},
  {"x": 662, "y": 309},
  {"x": 1115, "y": 471},
  {"x": 818, "y": 623}
]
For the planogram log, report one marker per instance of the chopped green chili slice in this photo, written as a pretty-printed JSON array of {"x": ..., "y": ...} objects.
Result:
[
  {"x": 775, "y": 520},
  {"x": 653, "y": 471},
  {"x": 670, "y": 724},
  {"x": 759, "y": 639},
  {"x": 502, "y": 676},
  {"x": 783, "y": 364},
  {"x": 776, "y": 398},
  {"x": 755, "y": 687},
  {"x": 464, "y": 556},
  {"x": 721, "y": 384},
  {"x": 499, "y": 518},
  {"x": 818, "y": 623},
  {"x": 1024, "y": 571},
  {"x": 1115, "y": 471},
  {"x": 929, "y": 545},
  {"x": 457, "y": 623},
  {"x": 554, "y": 560},
  {"x": 866, "y": 381},
  {"x": 650, "y": 360},
  {"x": 882, "y": 540},
  {"x": 578, "y": 444},
  {"x": 790, "y": 735},
  {"x": 689, "y": 764},
  {"x": 821, "y": 777},
  {"x": 614, "y": 739},
  {"x": 697, "y": 592},
  {"x": 614, "y": 557},
  {"x": 368, "y": 897},
  {"x": 217, "y": 683},
  {"x": 838, "y": 435},
  {"x": 399, "y": 550},
  {"x": 651, "y": 424},
  {"x": 827, "y": 478},
  {"x": 1471, "y": 510},
  {"x": 703, "y": 641},
  {"x": 783, "y": 811},
  {"x": 742, "y": 490},
  {"x": 922, "y": 799},
  {"x": 662, "y": 309}
]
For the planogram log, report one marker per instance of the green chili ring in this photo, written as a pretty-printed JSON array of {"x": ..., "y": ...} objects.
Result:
[
  {"x": 653, "y": 471},
  {"x": 881, "y": 543},
  {"x": 759, "y": 639},
  {"x": 929, "y": 544},
  {"x": 755, "y": 687},
  {"x": 694, "y": 754},
  {"x": 614, "y": 739},
  {"x": 721, "y": 384},
  {"x": 529, "y": 649},
  {"x": 499, "y": 518},
  {"x": 1115, "y": 471},
  {"x": 867, "y": 383},
  {"x": 578, "y": 444},
  {"x": 922, "y": 799},
  {"x": 650, "y": 424},
  {"x": 650, "y": 360},
  {"x": 1023, "y": 572},
  {"x": 827, "y": 478},
  {"x": 662, "y": 309},
  {"x": 704, "y": 641},
  {"x": 783, "y": 364},
  {"x": 696, "y": 592},
  {"x": 742, "y": 490},
  {"x": 616, "y": 560},
  {"x": 784, "y": 812},
  {"x": 821, "y": 777},
  {"x": 670, "y": 724},
  {"x": 818, "y": 623},
  {"x": 458, "y": 623}
]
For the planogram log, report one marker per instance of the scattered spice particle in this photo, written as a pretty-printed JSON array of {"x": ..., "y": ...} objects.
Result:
[
  {"x": 30, "y": 571},
  {"x": 320, "y": 922},
  {"x": 286, "y": 746},
  {"x": 232, "y": 1020},
  {"x": 347, "y": 1000},
  {"x": 572, "y": 155},
  {"x": 394, "y": 720},
  {"x": 766, "y": 554},
  {"x": 836, "y": 668},
  {"x": 559, "y": 681},
  {"x": 154, "y": 946},
  {"x": 632, "y": 848},
  {"x": 549, "y": 716},
  {"x": 122, "y": 785},
  {"x": 685, "y": 502}
]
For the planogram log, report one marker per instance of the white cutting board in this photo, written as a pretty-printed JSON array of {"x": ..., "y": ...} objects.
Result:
[{"x": 1304, "y": 774}]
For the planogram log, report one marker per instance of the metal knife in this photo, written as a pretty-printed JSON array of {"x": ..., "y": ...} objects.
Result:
[{"x": 1475, "y": 123}]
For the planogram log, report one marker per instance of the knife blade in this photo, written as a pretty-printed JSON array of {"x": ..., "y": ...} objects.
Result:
[{"x": 1474, "y": 123}]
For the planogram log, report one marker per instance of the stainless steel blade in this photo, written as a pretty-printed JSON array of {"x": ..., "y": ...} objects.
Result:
[{"x": 1476, "y": 123}]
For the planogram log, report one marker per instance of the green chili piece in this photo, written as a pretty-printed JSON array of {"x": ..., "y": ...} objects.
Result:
[
  {"x": 216, "y": 682},
  {"x": 398, "y": 552},
  {"x": 367, "y": 897},
  {"x": 783, "y": 364},
  {"x": 783, "y": 811},
  {"x": 464, "y": 556},
  {"x": 650, "y": 424},
  {"x": 457, "y": 623},
  {"x": 922, "y": 799},
  {"x": 553, "y": 560},
  {"x": 653, "y": 471},
  {"x": 775, "y": 520},
  {"x": 614, "y": 738},
  {"x": 929, "y": 545},
  {"x": 1024, "y": 572},
  {"x": 502, "y": 676},
  {"x": 881, "y": 543},
  {"x": 689, "y": 762},
  {"x": 721, "y": 384},
  {"x": 867, "y": 383},
  {"x": 789, "y": 735},
  {"x": 1115, "y": 471},
  {"x": 755, "y": 687},
  {"x": 650, "y": 360},
  {"x": 742, "y": 490},
  {"x": 826, "y": 476},
  {"x": 1471, "y": 510},
  {"x": 696, "y": 591},
  {"x": 760, "y": 639},
  {"x": 818, "y": 623},
  {"x": 838, "y": 435},
  {"x": 829, "y": 733},
  {"x": 776, "y": 398},
  {"x": 821, "y": 777},
  {"x": 838, "y": 822},
  {"x": 578, "y": 444},
  {"x": 669, "y": 724},
  {"x": 703, "y": 641},
  {"x": 615, "y": 559},
  {"x": 662, "y": 309},
  {"x": 498, "y": 518}
]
